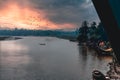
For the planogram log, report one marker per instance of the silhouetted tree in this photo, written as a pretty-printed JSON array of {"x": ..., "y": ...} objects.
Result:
[
  {"x": 83, "y": 30},
  {"x": 93, "y": 25},
  {"x": 93, "y": 32}
]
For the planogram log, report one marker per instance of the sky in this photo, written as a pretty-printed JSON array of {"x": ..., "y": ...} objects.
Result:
[{"x": 46, "y": 14}]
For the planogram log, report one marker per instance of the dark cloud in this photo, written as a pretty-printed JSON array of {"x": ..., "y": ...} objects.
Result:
[
  {"x": 62, "y": 11},
  {"x": 67, "y": 11}
]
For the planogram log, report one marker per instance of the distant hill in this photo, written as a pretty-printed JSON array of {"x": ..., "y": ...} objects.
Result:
[{"x": 54, "y": 33}]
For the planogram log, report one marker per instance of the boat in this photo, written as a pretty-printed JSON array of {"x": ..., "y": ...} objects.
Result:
[
  {"x": 104, "y": 49},
  {"x": 42, "y": 44},
  {"x": 97, "y": 75}
]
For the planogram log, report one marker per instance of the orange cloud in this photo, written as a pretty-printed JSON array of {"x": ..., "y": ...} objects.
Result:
[{"x": 15, "y": 16}]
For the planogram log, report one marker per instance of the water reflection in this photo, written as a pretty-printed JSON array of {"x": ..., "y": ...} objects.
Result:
[
  {"x": 13, "y": 54},
  {"x": 83, "y": 50},
  {"x": 12, "y": 47},
  {"x": 92, "y": 61},
  {"x": 59, "y": 59}
]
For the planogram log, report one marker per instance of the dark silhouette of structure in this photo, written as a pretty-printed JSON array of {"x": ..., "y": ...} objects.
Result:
[{"x": 109, "y": 21}]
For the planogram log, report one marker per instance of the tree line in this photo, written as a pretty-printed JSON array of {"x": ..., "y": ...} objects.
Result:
[{"x": 92, "y": 33}]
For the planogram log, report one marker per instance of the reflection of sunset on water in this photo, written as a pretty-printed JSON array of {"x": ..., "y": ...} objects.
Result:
[
  {"x": 12, "y": 55},
  {"x": 14, "y": 16},
  {"x": 13, "y": 47}
]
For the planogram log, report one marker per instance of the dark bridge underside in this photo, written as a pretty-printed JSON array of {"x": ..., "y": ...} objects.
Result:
[{"x": 105, "y": 13}]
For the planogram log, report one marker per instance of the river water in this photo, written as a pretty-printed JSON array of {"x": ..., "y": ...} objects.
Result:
[{"x": 48, "y": 58}]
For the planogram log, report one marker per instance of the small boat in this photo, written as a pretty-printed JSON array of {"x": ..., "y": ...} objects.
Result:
[
  {"x": 42, "y": 44},
  {"x": 104, "y": 49},
  {"x": 97, "y": 75},
  {"x": 107, "y": 50}
]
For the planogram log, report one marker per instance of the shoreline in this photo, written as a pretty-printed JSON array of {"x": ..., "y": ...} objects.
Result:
[
  {"x": 112, "y": 67},
  {"x": 2, "y": 38},
  {"x": 114, "y": 71}
]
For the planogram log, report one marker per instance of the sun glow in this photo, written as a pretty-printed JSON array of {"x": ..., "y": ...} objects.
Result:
[{"x": 13, "y": 16}]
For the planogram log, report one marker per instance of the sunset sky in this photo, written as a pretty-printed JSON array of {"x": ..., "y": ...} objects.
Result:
[{"x": 45, "y": 14}]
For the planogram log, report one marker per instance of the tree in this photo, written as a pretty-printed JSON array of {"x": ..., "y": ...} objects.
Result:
[
  {"x": 93, "y": 32},
  {"x": 93, "y": 25},
  {"x": 83, "y": 30}
]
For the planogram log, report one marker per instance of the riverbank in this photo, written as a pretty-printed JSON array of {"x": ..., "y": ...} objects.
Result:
[
  {"x": 114, "y": 71},
  {"x": 9, "y": 38}
]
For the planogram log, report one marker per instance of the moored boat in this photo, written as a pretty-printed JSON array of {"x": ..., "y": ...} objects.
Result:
[
  {"x": 42, "y": 44},
  {"x": 97, "y": 75},
  {"x": 104, "y": 49}
]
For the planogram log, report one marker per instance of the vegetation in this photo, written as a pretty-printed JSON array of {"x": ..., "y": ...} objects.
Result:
[
  {"x": 52, "y": 33},
  {"x": 85, "y": 33},
  {"x": 92, "y": 33}
]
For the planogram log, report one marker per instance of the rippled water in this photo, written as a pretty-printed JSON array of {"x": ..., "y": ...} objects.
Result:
[{"x": 58, "y": 59}]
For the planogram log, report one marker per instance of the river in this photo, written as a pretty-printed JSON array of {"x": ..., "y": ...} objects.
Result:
[{"x": 48, "y": 58}]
